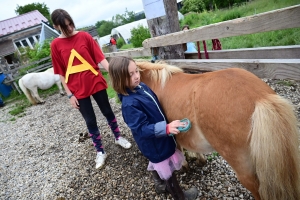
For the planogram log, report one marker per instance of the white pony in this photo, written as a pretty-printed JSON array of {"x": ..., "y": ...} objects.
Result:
[{"x": 30, "y": 83}]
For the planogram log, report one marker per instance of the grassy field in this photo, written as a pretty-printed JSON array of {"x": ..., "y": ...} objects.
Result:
[{"x": 274, "y": 38}]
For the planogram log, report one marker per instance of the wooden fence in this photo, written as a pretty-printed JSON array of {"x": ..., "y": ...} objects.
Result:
[
  {"x": 279, "y": 62},
  {"x": 15, "y": 72}
]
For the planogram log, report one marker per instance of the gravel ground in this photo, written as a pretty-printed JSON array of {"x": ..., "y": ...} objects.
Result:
[{"x": 46, "y": 155}]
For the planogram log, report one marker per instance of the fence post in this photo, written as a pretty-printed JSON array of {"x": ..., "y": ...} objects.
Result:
[
  {"x": 163, "y": 25},
  {"x": 15, "y": 85}
]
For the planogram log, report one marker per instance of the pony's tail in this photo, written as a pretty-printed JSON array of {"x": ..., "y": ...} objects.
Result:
[
  {"x": 274, "y": 150},
  {"x": 26, "y": 92}
]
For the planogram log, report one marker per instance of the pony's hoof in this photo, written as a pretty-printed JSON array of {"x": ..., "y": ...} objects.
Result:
[
  {"x": 41, "y": 102},
  {"x": 185, "y": 168},
  {"x": 201, "y": 163}
]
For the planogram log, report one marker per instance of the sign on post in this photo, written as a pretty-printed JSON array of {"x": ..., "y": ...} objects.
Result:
[{"x": 154, "y": 8}]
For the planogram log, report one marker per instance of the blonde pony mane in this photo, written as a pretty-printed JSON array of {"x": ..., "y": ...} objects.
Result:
[{"x": 159, "y": 72}]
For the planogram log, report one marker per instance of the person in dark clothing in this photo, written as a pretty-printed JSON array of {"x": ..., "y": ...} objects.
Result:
[
  {"x": 1, "y": 102},
  {"x": 143, "y": 114},
  {"x": 76, "y": 58}
]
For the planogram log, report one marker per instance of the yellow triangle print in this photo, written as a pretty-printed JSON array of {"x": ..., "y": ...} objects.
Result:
[{"x": 78, "y": 68}]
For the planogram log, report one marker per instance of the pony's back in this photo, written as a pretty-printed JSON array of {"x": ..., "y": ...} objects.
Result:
[{"x": 237, "y": 114}]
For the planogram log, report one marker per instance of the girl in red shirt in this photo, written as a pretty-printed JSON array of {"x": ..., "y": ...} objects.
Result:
[{"x": 75, "y": 57}]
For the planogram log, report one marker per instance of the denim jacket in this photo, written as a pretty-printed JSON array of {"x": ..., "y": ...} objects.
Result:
[{"x": 144, "y": 116}]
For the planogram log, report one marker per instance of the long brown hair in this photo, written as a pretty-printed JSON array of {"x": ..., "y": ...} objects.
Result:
[
  {"x": 119, "y": 75},
  {"x": 58, "y": 17}
]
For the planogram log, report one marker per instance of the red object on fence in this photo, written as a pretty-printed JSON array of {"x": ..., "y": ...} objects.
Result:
[
  {"x": 205, "y": 49},
  {"x": 198, "y": 47},
  {"x": 216, "y": 44}
]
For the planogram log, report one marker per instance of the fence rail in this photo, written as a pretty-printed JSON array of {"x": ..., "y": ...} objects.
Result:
[
  {"x": 278, "y": 62},
  {"x": 14, "y": 74},
  {"x": 281, "y": 62}
]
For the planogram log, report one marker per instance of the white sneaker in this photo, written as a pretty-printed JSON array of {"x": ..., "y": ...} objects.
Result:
[
  {"x": 123, "y": 143},
  {"x": 100, "y": 159}
]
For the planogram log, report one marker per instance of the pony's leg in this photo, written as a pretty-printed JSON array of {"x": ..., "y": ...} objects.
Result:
[
  {"x": 249, "y": 181},
  {"x": 34, "y": 93},
  {"x": 199, "y": 157},
  {"x": 201, "y": 160},
  {"x": 60, "y": 88},
  {"x": 244, "y": 171}
]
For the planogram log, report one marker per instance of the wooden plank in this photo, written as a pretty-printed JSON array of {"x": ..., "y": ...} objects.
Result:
[
  {"x": 14, "y": 84},
  {"x": 269, "y": 21},
  {"x": 137, "y": 52},
  {"x": 40, "y": 67},
  {"x": 36, "y": 62},
  {"x": 276, "y": 52},
  {"x": 263, "y": 68}
]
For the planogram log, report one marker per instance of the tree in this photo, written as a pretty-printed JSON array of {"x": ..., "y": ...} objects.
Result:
[
  {"x": 192, "y": 6},
  {"x": 99, "y": 23},
  {"x": 41, "y": 7},
  {"x": 105, "y": 28},
  {"x": 138, "y": 35},
  {"x": 125, "y": 18}
]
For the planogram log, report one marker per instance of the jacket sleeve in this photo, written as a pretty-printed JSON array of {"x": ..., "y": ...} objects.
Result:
[{"x": 138, "y": 122}]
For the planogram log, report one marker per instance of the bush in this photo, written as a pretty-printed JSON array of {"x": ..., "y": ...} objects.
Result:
[
  {"x": 120, "y": 42},
  {"x": 231, "y": 15},
  {"x": 138, "y": 35},
  {"x": 192, "y": 6},
  {"x": 202, "y": 5},
  {"x": 39, "y": 52},
  {"x": 190, "y": 18}
]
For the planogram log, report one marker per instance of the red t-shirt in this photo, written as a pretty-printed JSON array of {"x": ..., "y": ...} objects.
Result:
[{"x": 81, "y": 84}]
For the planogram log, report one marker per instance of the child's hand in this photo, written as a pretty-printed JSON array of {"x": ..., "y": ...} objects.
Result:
[{"x": 173, "y": 126}]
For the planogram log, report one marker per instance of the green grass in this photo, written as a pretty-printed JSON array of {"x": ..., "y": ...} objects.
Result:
[
  {"x": 212, "y": 156},
  {"x": 273, "y": 38},
  {"x": 110, "y": 91},
  {"x": 127, "y": 46}
]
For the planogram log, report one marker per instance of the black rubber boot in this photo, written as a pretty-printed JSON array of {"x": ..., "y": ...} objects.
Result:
[
  {"x": 160, "y": 185},
  {"x": 175, "y": 190},
  {"x": 191, "y": 193}
]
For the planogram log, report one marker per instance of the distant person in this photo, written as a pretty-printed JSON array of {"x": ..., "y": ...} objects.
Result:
[
  {"x": 113, "y": 43},
  {"x": 152, "y": 133},
  {"x": 190, "y": 45},
  {"x": 1, "y": 102},
  {"x": 75, "y": 57}
]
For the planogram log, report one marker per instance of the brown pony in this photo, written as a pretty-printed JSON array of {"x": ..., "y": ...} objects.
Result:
[{"x": 236, "y": 114}]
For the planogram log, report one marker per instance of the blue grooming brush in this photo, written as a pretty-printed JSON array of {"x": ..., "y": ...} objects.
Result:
[{"x": 186, "y": 127}]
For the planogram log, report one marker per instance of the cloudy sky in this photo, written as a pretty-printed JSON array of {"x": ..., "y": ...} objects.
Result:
[{"x": 83, "y": 12}]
